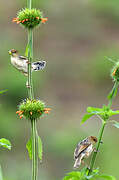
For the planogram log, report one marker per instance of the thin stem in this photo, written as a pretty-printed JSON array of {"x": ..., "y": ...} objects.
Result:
[
  {"x": 97, "y": 148},
  {"x": 114, "y": 89},
  {"x": 29, "y": 3},
  {"x": 31, "y": 96},
  {"x": 34, "y": 150},
  {"x": 30, "y": 56}
]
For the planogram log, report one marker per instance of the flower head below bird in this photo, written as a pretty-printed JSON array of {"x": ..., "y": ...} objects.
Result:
[
  {"x": 84, "y": 150},
  {"x": 21, "y": 62},
  {"x": 32, "y": 109}
]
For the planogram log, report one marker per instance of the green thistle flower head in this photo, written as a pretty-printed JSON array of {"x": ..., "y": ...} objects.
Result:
[
  {"x": 30, "y": 18},
  {"x": 115, "y": 72},
  {"x": 32, "y": 109}
]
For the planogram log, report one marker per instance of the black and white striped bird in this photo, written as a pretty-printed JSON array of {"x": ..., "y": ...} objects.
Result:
[{"x": 21, "y": 62}]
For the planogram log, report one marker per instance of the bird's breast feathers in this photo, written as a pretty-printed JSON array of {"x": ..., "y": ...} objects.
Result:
[{"x": 19, "y": 64}]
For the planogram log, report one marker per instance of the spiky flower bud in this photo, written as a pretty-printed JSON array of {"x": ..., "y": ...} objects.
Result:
[
  {"x": 32, "y": 109},
  {"x": 29, "y": 18},
  {"x": 115, "y": 72}
]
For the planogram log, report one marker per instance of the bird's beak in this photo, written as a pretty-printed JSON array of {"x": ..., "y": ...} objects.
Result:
[{"x": 10, "y": 53}]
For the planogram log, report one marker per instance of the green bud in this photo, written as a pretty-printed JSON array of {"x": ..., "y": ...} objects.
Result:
[
  {"x": 29, "y": 18},
  {"x": 115, "y": 72},
  {"x": 32, "y": 109}
]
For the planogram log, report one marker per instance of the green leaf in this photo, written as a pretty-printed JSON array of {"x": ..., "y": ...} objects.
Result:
[
  {"x": 26, "y": 51},
  {"x": 111, "y": 113},
  {"x": 75, "y": 175},
  {"x": 107, "y": 177},
  {"x": 93, "y": 174},
  {"x": 40, "y": 148},
  {"x": 84, "y": 171},
  {"x": 29, "y": 147},
  {"x": 113, "y": 93},
  {"x": 116, "y": 124},
  {"x": 94, "y": 110},
  {"x": 5, "y": 143},
  {"x": 95, "y": 171},
  {"x": 86, "y": 117},
  {"x": 3, "y": 91}
]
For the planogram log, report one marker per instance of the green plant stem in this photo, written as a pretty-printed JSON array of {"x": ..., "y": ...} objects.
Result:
[
  {"x": 30, "y": 56},
  {"x": 34, "y": 150},
  {"x": 114, "y": 89},
  {"x": 97, "y": 148},
  {"x": 29, "y": 3},
  {"x": 31, "y": 96}
]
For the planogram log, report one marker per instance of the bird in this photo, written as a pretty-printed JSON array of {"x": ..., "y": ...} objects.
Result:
[
  {"x": 21, "y": 62},
  {"x": 83, "y": 150}
]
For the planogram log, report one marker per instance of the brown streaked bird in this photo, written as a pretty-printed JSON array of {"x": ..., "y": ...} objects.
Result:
[
  {"x": 84, "y": 150},
  {"x": 21, "y": 62}
]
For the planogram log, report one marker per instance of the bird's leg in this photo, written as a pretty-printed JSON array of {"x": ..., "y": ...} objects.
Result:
[
  {"x": 28, "y": 62},
  {"x": 83, "y": 162},
  {"x": 95, "y": 150},
  {"x": 27, "y": 85},
  {"x": 101, "y": 142},
  {"x": 87, "y": 154},
  {"x": 88, "y": 167}
]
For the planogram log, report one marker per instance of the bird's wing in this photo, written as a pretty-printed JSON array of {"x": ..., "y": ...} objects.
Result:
[
  {"x": 23, "y": 58},
  {"x": 39, "y": 65},
  {"x": 80, "y": 148}
]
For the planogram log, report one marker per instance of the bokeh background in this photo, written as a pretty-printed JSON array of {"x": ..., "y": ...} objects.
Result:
[{"x": 75, "y": 42}]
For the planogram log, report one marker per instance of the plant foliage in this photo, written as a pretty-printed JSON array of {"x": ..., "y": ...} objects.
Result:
[{"x": 5, "y": 143}]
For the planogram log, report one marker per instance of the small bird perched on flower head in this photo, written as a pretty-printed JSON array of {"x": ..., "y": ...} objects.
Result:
[
  {"x": 83, "y": 150},
  {"x": 21, "y": 62}
]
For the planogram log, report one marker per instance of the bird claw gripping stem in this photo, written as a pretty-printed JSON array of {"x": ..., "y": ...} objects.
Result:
[{"x": 28, "y": 62}]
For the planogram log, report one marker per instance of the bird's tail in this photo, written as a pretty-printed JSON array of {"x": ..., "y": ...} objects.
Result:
[
  {"x": 39, "y": 65},
  {"x": 77, "y": 162}
]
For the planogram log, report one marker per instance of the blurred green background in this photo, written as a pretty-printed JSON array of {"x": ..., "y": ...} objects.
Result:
[{"x": 74, "y": 42}]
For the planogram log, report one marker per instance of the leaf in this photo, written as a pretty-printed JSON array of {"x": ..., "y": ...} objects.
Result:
[
  {"x": 29, "y": 147},
  {"x": 107, "y": 177},
  {"x": 3, "y": 91},
  {"x": 5, "y": 143},
  {"x": 110, "y": 59},
  {"x": 84, "y": 171},
  {"x": 113, "y": 93},
  {"x": 40, "y": 148},
  {"x": 75, "y": 175},
  {"x": 116, "y": 124},
  {"x": 111, "y": 113},
  {"x": 94, "y": 110},
  {"x": 93, "y": 174},
  {"x": 95, "y": 171},
  {"x": 86, "y": 117},
  {"x": 26, "y": 51}
]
